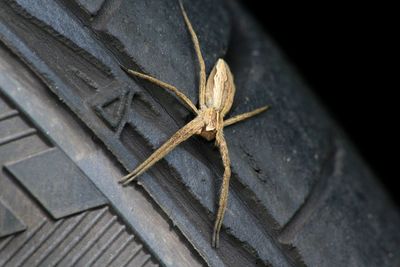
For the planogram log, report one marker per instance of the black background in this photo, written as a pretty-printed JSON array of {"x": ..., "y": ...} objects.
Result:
[{"x": 346, "y": 53}]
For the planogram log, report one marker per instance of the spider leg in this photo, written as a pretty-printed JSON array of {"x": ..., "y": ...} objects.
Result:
[
  {"x": 165, "y": 85},
  {"x": 244, "y": 116},
  {"x": 223, "y": 198},
  {"x": 195, "y": 40},
  {"x": 181, "y": 135}
]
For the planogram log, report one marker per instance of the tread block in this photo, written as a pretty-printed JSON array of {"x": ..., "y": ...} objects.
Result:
[
  {"x": 9, "y": 223},
  {"x": 356, "y": 236},
  {"x": 111, "y": 107},
  {"x": 52, "y": 173},
  {"x": 91, "y": 6},
  {"x": 12, "y": 126}
]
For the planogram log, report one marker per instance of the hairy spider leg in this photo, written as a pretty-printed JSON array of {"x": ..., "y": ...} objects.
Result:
[
  {"x": 244, "y": 116},
  {"x": 202, "y": 66},
  {"x": 223, "y": 198},
  {"x": 165, "y": 85},
  {"x": 181, "y": 135}
]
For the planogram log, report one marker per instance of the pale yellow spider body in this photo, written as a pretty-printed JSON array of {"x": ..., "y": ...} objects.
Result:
[
  {"x": 218, "y": 99},
  {"x": 215, "y": 100}
]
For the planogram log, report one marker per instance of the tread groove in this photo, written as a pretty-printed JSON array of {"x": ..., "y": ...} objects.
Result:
[
  {"x": 315, "y": 198},
  {"x": 89, "y": 245},
  {"x": 17, "y": 136},
  {"x": 135, "y": 252},
  {"x": 42, "y": 240},
  {"x": 28, "y": 237},
  {"x": 119, "y": 251},
  {"x": 6, "y": 241},
  {"x": 75, "y": 241},
  {"x": 106, "y": 245},
  {"x": 145, "y": 261},
  {"x": 8, "y": 114},
  {"x": 77, "y": 220},
  {"x": 107, "y": 10}
]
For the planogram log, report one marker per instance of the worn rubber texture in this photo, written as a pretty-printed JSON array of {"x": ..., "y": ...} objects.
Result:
[{"x": 72, "y": 122}]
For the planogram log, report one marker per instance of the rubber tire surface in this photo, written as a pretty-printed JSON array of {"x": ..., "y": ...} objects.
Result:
[{"x": 300, "y": 195}]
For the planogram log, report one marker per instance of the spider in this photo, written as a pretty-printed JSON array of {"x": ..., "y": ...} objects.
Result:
[{"x": 215, "y": 100}]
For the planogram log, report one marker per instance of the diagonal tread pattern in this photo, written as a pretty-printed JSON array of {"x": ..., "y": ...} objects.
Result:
[
  {"x": 47, "y": 242},
  {"x": 288, "y": 191}
]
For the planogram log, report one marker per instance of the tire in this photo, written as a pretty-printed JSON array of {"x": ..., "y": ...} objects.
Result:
[{"x": 72, "y": 123}]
